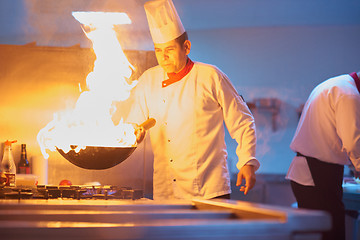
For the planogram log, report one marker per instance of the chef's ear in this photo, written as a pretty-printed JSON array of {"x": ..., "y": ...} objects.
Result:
[{"x": 187, "y": 46}]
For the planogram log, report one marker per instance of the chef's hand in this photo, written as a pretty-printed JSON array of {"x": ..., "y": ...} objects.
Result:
[
  {"x": 356, "y": 174},
  {"x": 139, "y": 133},
  {"x": 247, "y": 172},
  {"x": 353, "y": 170}
]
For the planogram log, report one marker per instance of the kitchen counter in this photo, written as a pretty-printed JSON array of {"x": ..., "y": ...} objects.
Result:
[
  {"x": 351, "y": 196},
  {"x": 351, "y": 201},
  {"x": 148, "y": 219}
]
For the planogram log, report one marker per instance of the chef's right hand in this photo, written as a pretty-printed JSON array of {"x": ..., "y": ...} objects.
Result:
[
  {"x": 139, "y": 133},
  {"x": 356, "y": 174},
  {"x": 353, "y": 170}
]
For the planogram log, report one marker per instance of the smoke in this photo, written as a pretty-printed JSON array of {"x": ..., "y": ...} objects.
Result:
[
  {"x": 50, "y": 23},
  {"x": 274, "y": 125}
]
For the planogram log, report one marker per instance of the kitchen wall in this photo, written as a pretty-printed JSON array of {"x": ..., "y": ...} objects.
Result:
[
  {"x": 269, "y": 49},
  {"x": 285, "y": 63}
]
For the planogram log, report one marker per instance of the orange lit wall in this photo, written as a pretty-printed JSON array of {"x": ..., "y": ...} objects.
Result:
[{"x": 36, "y": 82}]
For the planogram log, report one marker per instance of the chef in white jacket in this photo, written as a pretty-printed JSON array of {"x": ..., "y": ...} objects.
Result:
[
  {"x": 326, "y": 139},
  {"x": 190, "y": 101}
]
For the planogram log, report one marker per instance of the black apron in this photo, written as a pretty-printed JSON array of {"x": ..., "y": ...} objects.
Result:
[{"x": 328, "y": 193}]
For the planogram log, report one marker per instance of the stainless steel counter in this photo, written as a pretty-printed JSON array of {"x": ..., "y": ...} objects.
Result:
[
  {"x": 147, "y": 219},
  {"x": 351, "y": 196}
]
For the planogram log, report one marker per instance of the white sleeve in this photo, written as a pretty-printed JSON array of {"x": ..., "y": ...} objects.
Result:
[
  {"x": 239, "y": 121},
  {"x": 347, "y": 114},
  {"x": 138, "y": 110}
]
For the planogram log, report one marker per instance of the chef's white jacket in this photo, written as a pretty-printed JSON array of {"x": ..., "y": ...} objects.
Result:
[
  {"x": 329, "y": 128},
  {"x": 188, "y": 138}
]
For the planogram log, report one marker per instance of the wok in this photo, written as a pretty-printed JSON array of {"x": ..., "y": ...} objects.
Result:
[{"x": 96, "y": 157}]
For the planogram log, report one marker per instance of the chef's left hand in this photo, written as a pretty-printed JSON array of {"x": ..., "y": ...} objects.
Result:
[
  {"x": 247, "y": 172},
  {"x": 140, "y": 134}
]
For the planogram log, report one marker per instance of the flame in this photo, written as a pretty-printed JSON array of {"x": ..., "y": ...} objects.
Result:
[{"x": 90, "y": 123}]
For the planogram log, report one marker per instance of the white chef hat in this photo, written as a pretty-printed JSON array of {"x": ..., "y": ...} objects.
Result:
[{"x": 164, "y": 22}]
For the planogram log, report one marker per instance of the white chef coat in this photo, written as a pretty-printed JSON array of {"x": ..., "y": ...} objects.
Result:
[
  {"x": 329, "y": 128},
  {"x": 188, "y": 138}
]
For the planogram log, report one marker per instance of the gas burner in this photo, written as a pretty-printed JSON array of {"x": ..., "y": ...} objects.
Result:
[
  {"x": 71, "y": 192},
  {"x": 17, "y": 193},
  {"x": 50, "y": 191}
]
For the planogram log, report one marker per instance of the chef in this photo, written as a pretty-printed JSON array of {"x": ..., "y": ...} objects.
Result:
[
  {"x": 190, "y": 101},
  {"x": 326, "y": 139}
]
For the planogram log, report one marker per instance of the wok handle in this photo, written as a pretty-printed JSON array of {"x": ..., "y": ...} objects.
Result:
[{"x": 148, "y": 123}]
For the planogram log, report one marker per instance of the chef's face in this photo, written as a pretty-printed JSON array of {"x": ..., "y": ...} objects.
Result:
[{"x": 172, "y": 55}]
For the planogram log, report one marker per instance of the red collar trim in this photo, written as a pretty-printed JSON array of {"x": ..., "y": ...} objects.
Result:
[
  {"x": 356, "y": 79},
  {"x": 175, "y": 77}
]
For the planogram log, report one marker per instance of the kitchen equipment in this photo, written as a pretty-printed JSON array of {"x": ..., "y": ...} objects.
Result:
[
  {"x": 29, "y": 180},
  {"x": 7, "y": 166},
  {"x": 96, "y": 157},
  {"x": 29, "y": 219},
  {"x": 77, "y": 192}
]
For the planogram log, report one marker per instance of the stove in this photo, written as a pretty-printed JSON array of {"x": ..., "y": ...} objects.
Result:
[{"x": 77, "y": 192}]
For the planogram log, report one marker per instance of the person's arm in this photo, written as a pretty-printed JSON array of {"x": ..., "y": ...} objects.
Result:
[
  {"x": 138, "y": 111},
  {"x": 241, "y": 125},
  {"x": 347, "y": 120}
]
